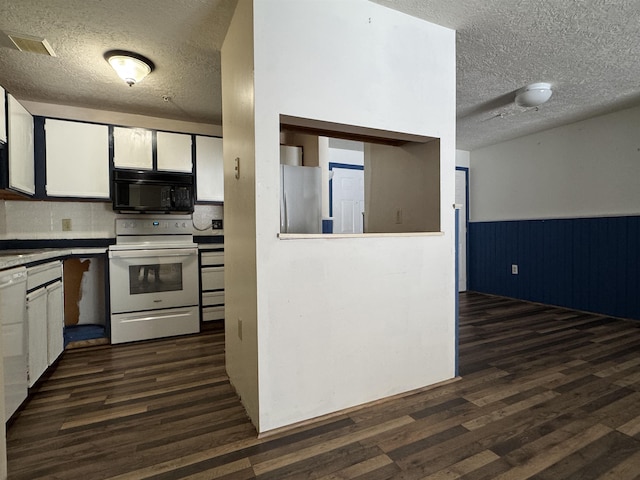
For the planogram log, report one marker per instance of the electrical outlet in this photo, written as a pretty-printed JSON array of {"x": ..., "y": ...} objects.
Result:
[
  {"x": 216, "y": 224},
  {"x": 514, "y": 269},
  {"x": 66, "y": 224},
  {"x": 240, "y": 329}
]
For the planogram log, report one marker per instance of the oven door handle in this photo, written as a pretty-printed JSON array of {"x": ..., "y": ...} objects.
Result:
[{"x": 153, "y": 252}]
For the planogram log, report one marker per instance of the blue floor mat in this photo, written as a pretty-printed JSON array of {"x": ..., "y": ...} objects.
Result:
[{"x": 76, "y": 333}]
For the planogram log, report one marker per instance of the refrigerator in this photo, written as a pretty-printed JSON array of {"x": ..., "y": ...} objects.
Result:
[{"x": 300, "y": 199}]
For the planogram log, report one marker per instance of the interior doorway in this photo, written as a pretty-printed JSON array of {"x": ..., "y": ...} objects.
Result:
[
  {"x": 346, "y": 191},
  {"x": 462, "y": 200}
]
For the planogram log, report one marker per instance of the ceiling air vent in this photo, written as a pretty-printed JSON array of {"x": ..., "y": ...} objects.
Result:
[{"x": 28, "y": 43}]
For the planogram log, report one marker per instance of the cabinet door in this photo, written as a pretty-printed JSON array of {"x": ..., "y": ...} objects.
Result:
[
  {"x": 20, "y": 145},
  {"x": 37, "y": 321},
  {"x": 55, "y": 322},
  {"x": 3, "y": 116},
  {"x": 77, "y": 159},
  {"x": 209, "y": 169},
  {"x": 174, "y": 152},
  {"x": 132, "y": 148},
  {"x": 212, "y": 278}
]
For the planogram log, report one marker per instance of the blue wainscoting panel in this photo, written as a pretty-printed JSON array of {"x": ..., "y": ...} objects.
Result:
[{"x": 590, "y": 264}]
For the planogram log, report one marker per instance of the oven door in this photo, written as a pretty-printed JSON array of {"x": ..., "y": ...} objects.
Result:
[{"x": 154, "y": 278}]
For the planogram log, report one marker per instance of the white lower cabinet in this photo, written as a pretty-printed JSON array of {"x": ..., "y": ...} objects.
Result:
[
  {"x": 45, "y": 317},
  {"x": 55, "y": 321},
  {"x": 37, "y": 327},
  {"x": 13, "y": 367},
  {"x": 212, "y": 275}
]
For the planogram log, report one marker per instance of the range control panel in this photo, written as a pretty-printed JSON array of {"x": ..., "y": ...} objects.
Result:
[{"x": 173, "y": 225}]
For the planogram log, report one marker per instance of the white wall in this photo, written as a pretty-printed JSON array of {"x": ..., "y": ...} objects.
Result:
[
  {"x": 346, "y": 151},
  {"x": 345, "y": 321},
  {"x": 589, "y": 168},
  {"x": 463, "y": 158},
  {"x": 402, "y": 187}
]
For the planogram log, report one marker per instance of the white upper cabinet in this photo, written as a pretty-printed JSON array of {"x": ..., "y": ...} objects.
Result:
[
  {"x": 174, "y": 152},
  {"x": 132, "y": 148},
  {"x": 20, "y": 145},
  {"x": 209, "y": 169},
  {"x": 3, "y": 116},
  {"x": 77, "y": 159}
]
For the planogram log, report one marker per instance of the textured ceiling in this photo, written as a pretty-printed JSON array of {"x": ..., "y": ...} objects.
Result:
[
  {"x": 588, "y": 50},
  {"x": 182, "y": 37}
]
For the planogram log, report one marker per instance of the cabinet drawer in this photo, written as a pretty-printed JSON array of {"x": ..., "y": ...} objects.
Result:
[
  {"x": 212, "y": 298},
  {"x": 213, "y": 313},
  {"x": 213, "y": 278},
  {"x": 212, "y": 258},
  {"x": 45, "y": 273}
]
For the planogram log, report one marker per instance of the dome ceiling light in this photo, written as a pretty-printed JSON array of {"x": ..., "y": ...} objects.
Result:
[
  {"x": 533, "y": 95},
  {"x": 130, "y": 67}
]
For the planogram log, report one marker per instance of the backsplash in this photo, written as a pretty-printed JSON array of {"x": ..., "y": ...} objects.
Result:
[{"x": 42, "y": 220}]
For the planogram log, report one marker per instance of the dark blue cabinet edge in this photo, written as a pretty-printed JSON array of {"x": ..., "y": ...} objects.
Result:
[
  {"x": 22, "y": 244},
  {"x": 56, "y": 243},
  {"x": 206, "y": 239}
]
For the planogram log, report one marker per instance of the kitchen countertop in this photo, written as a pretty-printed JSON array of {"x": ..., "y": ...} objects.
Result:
[{"x": 15, "y": 258}]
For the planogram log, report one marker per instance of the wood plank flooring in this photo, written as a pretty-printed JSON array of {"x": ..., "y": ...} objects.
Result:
[{"x": 546, "y": 393}]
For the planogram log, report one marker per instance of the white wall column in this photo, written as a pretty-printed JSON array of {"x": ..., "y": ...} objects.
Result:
[{"x": 333, "y": 322}]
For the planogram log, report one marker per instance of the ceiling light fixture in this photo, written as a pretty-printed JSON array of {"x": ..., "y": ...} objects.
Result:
[
  {"x": 533, "y": 95},
  {"x": 130, "y": 67}
]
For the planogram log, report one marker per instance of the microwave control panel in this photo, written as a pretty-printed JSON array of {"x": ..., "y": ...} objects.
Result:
[{"x": 176, "y": 224}]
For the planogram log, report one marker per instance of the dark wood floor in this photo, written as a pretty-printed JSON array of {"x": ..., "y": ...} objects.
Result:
[{"x": 545, "y": 393}]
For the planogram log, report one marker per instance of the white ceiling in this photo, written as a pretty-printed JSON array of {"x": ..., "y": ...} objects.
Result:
[{"x": 589, "y": 50}]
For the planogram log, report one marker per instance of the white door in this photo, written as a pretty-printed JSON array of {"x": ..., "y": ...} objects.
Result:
[
  {"x": 347, "y": 200},
  {"x": 461, "y": 199}
]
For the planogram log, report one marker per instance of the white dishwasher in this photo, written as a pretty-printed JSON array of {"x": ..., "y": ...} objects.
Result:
[{"x": 13, "y": 289}]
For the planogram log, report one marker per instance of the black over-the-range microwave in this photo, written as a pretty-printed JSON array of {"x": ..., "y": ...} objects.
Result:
[{"x": 152, "y": 192}]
